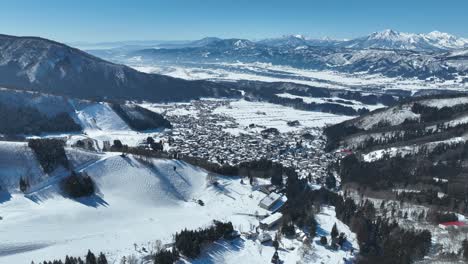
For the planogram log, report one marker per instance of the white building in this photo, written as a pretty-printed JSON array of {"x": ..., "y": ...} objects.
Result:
[
  {"x": 271, "y": 220},
  {"x": 268, "y": 201}
]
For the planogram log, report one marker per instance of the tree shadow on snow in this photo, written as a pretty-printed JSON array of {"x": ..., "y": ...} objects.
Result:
[
  {"x": 92, "y": 201},
  {"x": 321, "y": 232},
  {"x": 223, "y": 190},
  {"x": 215, "y": 253}
]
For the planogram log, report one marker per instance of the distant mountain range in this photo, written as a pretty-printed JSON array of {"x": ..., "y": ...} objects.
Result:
[
  {"x": 32, "y": 63},
  {"x": 387, "y": 39},
  {"x": 441, "y": 64},
  {"x": 38, "y": 64}
]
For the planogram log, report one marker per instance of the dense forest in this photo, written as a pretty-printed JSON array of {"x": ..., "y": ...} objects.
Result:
[
  {"x": 26, "y": 120},
  {"x": 380, "y": 240}
]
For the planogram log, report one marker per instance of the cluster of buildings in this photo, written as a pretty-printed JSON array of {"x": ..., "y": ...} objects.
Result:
[{"x": 199, "y": 132}]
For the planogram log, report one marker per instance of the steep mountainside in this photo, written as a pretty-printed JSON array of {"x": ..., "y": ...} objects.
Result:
[{"x": 42, "y": 65}]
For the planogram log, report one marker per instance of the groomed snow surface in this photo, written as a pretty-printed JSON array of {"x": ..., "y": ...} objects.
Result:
[{"x": 138, "y": 202}]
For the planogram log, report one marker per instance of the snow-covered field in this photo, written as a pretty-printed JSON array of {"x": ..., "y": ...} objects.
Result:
[
  {"x": 352, "y": 103},
  {"x": 276, "y": 116},
  {"x": 273, "y": 73}
]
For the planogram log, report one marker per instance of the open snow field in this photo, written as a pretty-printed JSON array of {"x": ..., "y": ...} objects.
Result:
[{"x": 276, "y": 116}]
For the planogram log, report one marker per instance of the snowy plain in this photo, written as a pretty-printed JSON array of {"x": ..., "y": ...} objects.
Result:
[{"x": 279, "y": 73}]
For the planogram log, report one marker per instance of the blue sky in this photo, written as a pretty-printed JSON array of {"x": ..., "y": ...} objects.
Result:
[{"x": 107, "y": 20}]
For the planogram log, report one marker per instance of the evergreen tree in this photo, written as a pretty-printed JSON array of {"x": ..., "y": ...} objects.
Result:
[
  {"x": 276, "y": 243},
  {"x": 90, "y": 258},
  {"x": 277, "y": 179},
  {"x": 102, "y": 259},
  {"x": 465, "y": 249},
  {"x": 23, "y": 185},
  {"x": 330, "y": 181},
  {"x": 334, "y": 232}
]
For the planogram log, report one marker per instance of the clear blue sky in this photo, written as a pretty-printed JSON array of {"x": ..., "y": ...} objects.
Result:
[{"x": 113, "y": 20}]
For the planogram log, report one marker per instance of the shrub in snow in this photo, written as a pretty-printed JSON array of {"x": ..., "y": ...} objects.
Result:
[{"x": 323, "y": 240}]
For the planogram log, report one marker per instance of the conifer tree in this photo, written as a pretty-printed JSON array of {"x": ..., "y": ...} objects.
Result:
[{"x": 334, "y": 231}]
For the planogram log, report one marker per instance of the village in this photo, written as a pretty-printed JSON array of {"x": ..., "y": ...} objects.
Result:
[{"x": 219, "y": 139}]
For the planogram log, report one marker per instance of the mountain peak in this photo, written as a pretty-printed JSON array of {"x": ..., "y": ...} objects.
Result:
[
  {"x": 387, "y": 34},
  {"x": 299, "y": 36},
  {"x": 392, "y": 39}
]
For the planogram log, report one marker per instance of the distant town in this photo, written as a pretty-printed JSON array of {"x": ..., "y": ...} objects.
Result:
[{"x": 219, "y": 139}]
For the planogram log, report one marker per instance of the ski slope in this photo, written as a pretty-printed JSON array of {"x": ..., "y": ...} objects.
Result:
[
  {"x": 100, "y": 116},
  {"x": 139, "y": 201}
]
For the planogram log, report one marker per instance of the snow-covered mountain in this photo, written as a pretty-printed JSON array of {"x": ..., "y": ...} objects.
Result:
[
  {"x": 42, "y": 65},
  {"x": 391, "y": 63},
  {"x": 390, "y": 39},
  {"x": 298, "y": 41},
  {"x": 288, "y": 40},
  {"x": 387, "y": 39}
]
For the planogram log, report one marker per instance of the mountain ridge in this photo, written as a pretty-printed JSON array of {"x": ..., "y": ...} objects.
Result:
[{"x": 39, "y": 64}]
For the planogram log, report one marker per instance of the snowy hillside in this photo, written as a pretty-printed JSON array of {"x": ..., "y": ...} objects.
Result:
[
  {"x": 99, "y": 116},
  {"x": 32, "y": 63},
  {"x": 407, "y": 128},
  {"x": 138, "y": 201}
]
